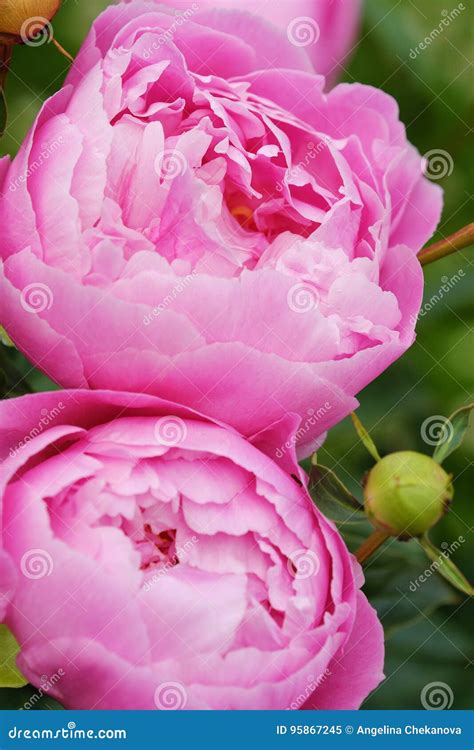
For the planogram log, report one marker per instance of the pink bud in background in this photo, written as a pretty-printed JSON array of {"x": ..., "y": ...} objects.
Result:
[{"x": 325, "y": 29}]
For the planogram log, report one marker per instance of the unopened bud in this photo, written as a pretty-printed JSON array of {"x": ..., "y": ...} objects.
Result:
[
  {"x": 406, "y": 493},
  {"x": 24, "y": 20}
]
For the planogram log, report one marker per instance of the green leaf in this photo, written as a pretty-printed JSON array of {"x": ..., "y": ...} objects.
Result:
[
  {"x": 365, "y": 437},
  {"x": 9, "y": 674},
  {"x": 443, "y": 565},
  {"x": 332, "y": 497},
  {"x": 452, "y": 432},
  {"x": 3, "y": 112},
  {"x": 429, "y": 650},
  {"x": 397, "y": 581},
  {"x": 27, "y": 698},
  {"x": 12, "y": 380},
  {"x": 5, "y": 338}
]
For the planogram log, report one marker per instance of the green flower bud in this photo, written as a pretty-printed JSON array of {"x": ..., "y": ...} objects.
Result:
[{"x": 406, "y": 493}]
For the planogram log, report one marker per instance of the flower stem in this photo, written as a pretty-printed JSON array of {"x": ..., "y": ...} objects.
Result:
[
  {"x": 371, "y": 544},
  {"x": 457, "y": 241},
  {"x": 61, "y": 49}
]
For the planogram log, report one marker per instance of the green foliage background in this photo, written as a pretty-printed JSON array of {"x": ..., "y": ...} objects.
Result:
[{"x": 429, "y": 633}]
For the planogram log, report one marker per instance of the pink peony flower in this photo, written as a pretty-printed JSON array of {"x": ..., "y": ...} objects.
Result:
[
  {"x": 326, "y": 29},
  {"x": 162, "y": 561},
  {"x": 184, "y": 222}
]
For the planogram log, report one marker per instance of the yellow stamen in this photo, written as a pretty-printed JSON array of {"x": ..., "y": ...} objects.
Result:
[{"x": 243, "y": 214}]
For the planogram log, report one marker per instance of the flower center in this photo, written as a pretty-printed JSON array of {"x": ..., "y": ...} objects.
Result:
[
  {"x": 244, "y": 216},
  {"x": 158, "y": 550}
]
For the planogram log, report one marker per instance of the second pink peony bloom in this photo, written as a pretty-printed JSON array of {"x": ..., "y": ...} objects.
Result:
[{"x": 155, "y": 560}]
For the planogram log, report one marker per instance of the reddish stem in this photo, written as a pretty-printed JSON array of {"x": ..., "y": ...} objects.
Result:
[
  {"x": 371, "y": 544},
  {"x": 457, "y": 241}
]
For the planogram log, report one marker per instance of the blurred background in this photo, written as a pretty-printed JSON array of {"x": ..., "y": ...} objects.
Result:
[{"x": 428, "y": 632}]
